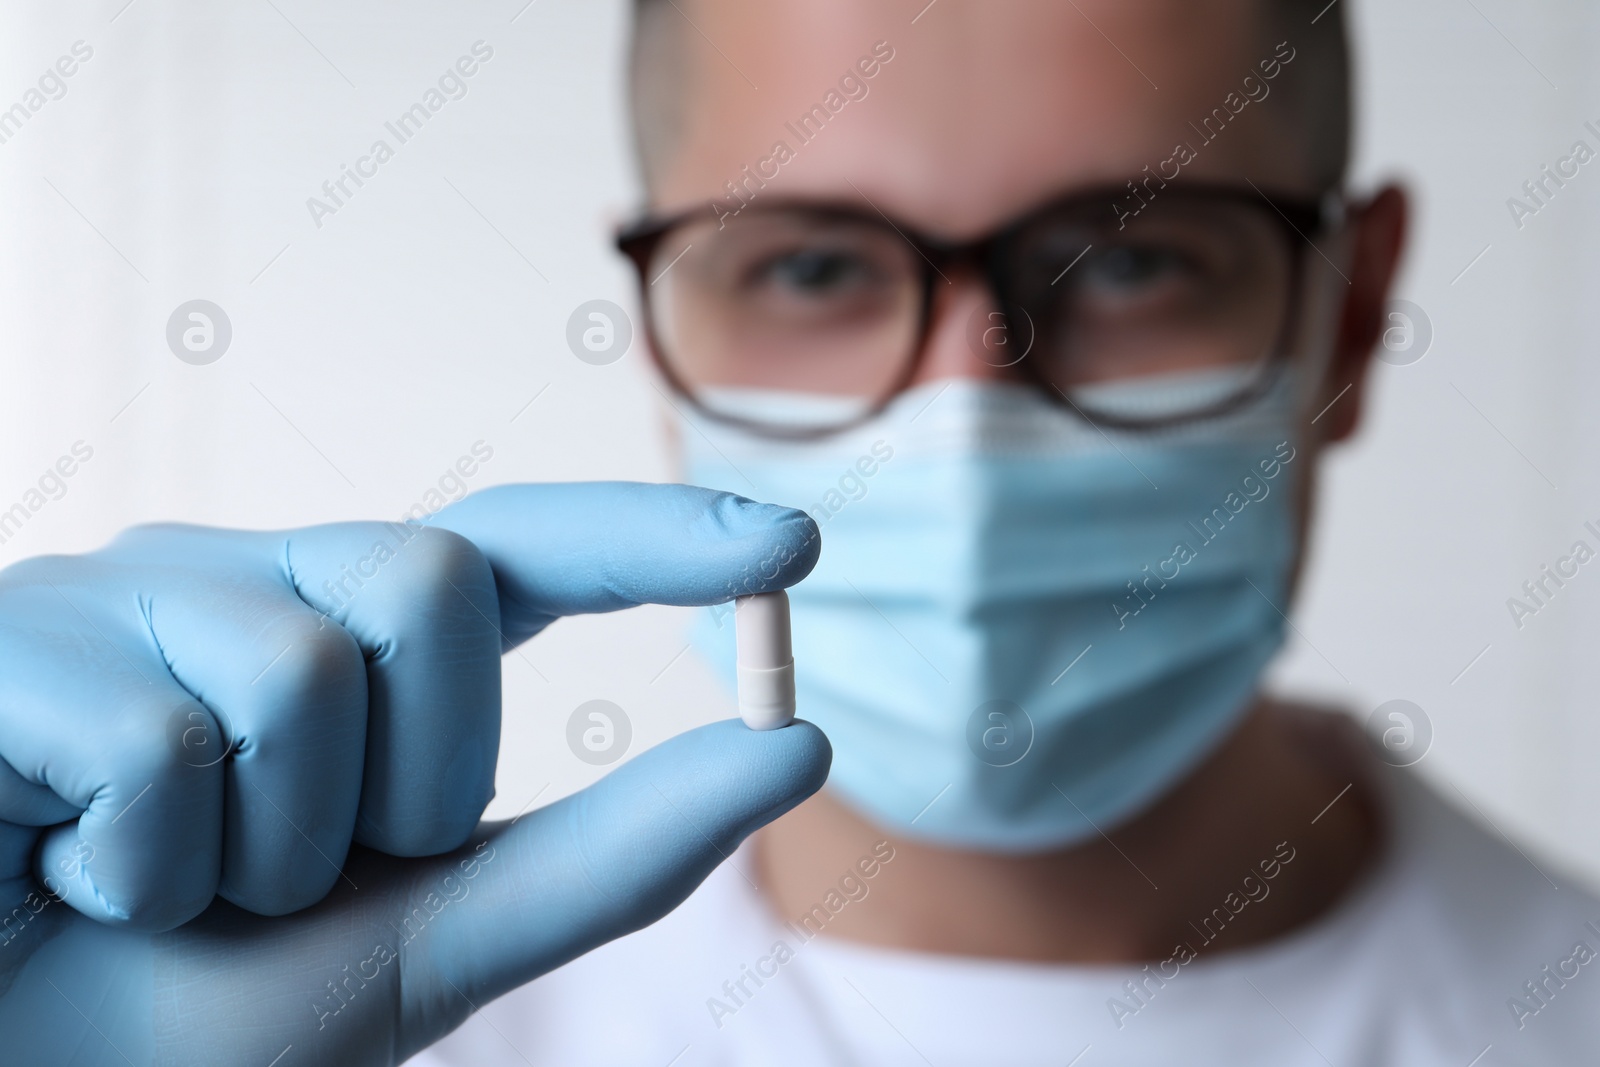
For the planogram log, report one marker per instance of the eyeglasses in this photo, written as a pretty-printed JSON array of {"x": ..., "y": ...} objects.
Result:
[{"x": 818, "y": 298}]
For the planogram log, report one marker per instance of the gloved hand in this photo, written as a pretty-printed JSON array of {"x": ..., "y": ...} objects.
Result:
[{"x": 196, "y": 724}]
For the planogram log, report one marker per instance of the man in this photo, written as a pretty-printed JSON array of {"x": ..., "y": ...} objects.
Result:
[
  {"x": 1256, "y": 886},
  {"x": 1043, "y": 312}
]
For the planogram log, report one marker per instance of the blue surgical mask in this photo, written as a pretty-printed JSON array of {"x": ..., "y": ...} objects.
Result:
[{"x": 1023, "y": 629}]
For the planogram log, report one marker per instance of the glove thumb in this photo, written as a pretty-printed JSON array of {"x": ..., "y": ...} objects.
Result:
[{"x": 523, "y": 898}]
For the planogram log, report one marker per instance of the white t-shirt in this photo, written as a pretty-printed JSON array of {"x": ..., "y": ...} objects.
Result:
[{"x": 1438, "y": 957}]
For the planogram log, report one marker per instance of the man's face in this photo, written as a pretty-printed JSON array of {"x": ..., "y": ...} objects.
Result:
[{"x": 973, "y": 116}]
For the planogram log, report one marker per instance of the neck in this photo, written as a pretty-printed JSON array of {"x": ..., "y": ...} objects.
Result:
[{"x": 1248, "y": 848}]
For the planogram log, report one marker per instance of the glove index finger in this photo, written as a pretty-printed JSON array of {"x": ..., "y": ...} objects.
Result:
[{"x": 582, "y": 547}]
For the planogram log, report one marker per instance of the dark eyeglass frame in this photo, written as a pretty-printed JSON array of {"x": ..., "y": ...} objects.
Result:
[{"x": 1300, "y": 219}]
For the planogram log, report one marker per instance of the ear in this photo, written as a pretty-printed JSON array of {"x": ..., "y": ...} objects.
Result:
[{"x": 1378, "y": 230}]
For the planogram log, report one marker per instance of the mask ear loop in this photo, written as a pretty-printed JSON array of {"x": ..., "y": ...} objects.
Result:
[{"x": 1325, "y": 287}]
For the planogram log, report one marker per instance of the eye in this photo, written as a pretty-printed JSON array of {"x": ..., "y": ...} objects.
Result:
[
  {"x": 816, "y": 272},
  {"x": 1130, "y": 267}
]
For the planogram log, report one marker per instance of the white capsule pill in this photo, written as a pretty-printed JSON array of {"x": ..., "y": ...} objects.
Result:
[{"x": 766, "y": 660}]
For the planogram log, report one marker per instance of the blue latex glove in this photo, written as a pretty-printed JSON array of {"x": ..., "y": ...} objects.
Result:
[{"x": 237, "y": 910}]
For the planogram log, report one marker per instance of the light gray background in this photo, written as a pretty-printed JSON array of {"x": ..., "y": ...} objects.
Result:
[{"x": 370, "y": 353}]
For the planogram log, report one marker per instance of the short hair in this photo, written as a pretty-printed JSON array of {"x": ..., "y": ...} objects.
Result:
[{"x": 1318, "y": 86}]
